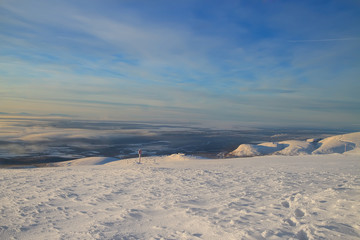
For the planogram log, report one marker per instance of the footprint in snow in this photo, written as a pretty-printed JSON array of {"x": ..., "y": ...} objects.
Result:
[
  {"x": 285, "y": 204},
  {"x": 134, "y": 213},
  {"x": 301, "y": 235},
  {"x": 290, "y": 222},
  {"x": 299, "y": 213}
]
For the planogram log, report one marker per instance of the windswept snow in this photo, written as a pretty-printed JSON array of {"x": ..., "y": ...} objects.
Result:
[
  {"x": 111, "y": 160},
  {"x": 349, "y": 143},
  {"x": 85, "y": 161},
  {"x": 185, "y": 197},
  {"x": 273, "y": 197},
  {"x": 339, "y": 144},
  {"x": 294, "y": 147}
]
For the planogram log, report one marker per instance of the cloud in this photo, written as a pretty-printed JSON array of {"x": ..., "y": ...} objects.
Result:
[
  {"x": 123, "y": 60},
  {"x": 271, "y": 91},
  {"x": 51, "y": 134},
  {"x": 42, "y": 129},
  {"x": 325, "y": 40}
]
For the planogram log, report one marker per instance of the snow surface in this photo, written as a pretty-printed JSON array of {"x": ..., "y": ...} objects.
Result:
[
  {"x": 85, "y": 161},
  {"x": 183, "y": 197},
  {"x": 349, "y": 143}
]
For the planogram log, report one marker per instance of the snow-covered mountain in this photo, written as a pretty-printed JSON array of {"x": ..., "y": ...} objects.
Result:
[{"x": 347, "y": 143}]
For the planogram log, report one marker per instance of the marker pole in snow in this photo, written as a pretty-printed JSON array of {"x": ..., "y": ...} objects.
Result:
[{"x": 140, "y": 152}]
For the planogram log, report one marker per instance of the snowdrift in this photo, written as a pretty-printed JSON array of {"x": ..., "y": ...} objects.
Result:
[
  {"x": 84, "y": 162},
  {"x": 178, "y": 157},
  {"x": 347, "y": 143}
]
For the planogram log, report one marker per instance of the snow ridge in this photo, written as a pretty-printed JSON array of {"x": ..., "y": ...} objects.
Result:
[
  {"x": 341, "y": 144},
  {"x": 347, "y": 143}
]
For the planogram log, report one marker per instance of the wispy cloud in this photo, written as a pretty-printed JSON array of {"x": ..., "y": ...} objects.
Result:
[
  {"x": 326, "y": 40},
  {"x": 180, "y": 60}
]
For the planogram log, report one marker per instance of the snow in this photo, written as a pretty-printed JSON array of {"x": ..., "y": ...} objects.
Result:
[
  {"x": 294, "y": 147},
  {"x": 338, "y": 144},
  {"x": 349, "y": 143},
  {"x": 85, "y": 161},
  {"x": 312, "y": 196}
]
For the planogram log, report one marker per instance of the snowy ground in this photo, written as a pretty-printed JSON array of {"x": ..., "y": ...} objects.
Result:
[{"x": 180, "y": 197}]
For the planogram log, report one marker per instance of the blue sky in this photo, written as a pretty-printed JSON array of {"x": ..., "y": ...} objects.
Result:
[{"x": 225, "y": 63}]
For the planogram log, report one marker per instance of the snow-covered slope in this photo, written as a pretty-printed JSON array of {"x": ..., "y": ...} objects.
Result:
[
  {"x": 179, "y": 197},
  {"x": 84, "y": 161},
  {"x": 349, "y": 143},
  {"x": 339, "y": 144},
  {"x": 178, "y": 157},
  {"x": 294, "y": 147}
]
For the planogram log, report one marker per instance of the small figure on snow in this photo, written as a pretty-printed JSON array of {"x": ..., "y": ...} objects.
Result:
[{"x": 140, "y": 152}]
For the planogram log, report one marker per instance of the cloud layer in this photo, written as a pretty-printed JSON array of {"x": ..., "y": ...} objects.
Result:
[{"x": 287, "y": 62}]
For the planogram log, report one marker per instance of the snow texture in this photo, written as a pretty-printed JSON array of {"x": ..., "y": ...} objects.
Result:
[{"x": 181, "y": 197}]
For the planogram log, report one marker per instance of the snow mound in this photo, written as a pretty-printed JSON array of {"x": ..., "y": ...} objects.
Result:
[
  {"x": 294, "y": 147},
  {"x": 85, "y": 161},
  {"x": 246, "y": 150},
  {"x": 340, "y": 144},
  {"x": 177, "y": 157},
  {"x": 250, "y": 150},
  {"x": 349, "y": 143}
]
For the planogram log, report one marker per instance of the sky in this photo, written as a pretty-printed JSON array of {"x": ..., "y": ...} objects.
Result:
[{"x": 225, "y": 63}]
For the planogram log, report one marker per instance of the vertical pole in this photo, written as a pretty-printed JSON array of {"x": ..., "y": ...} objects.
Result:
[{"x": 139, "y": 155}]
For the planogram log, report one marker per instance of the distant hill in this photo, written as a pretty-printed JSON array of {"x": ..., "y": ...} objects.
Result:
[{"x": 347, "y": 143}]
